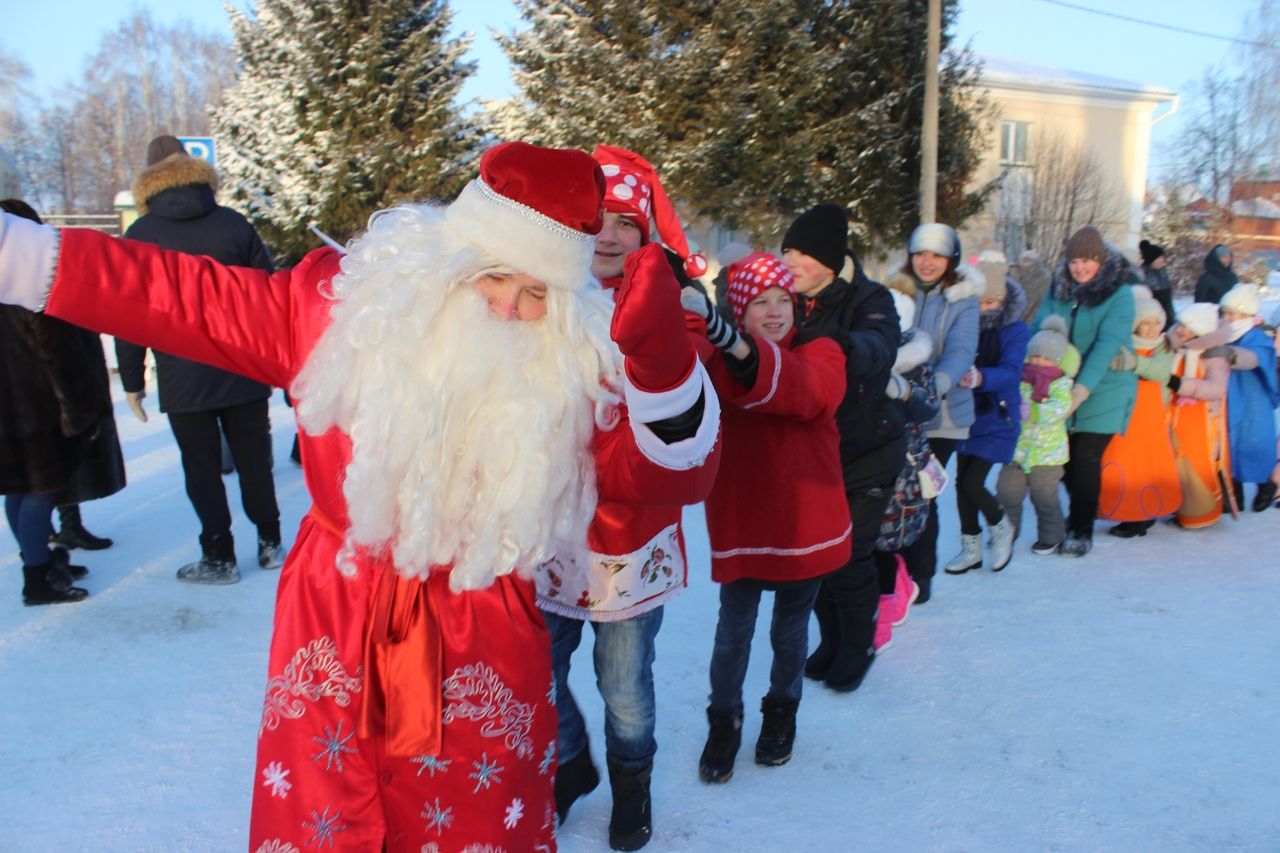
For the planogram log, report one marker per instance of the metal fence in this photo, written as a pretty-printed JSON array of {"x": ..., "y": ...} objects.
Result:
[{"x": 107, "y": 223}]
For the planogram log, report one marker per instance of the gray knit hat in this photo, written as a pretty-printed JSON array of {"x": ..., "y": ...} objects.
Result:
[{"x": 1051, "y": 341}]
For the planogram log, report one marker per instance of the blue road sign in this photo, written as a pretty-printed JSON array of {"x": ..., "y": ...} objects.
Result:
[{"x": 200, "y": 147}]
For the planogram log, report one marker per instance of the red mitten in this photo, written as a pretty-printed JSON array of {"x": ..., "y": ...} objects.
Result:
[{"x": 648, "y": 322}]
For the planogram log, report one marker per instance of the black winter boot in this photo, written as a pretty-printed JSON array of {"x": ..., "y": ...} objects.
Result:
[
  {"x": 777, "y": 732},
  {"x": 828, "y": 639},
  {"x": 1265, "y": 497},
  {"x": 857, "y": 651},
  {"x": 1237, "y": 491},
  {"x": 61, "y": 559},
  {"x": 73, "y": 534},
  {"x": 217, "y": 565},
  {"x": 47, "y": 584},
  {"x": 575, "y": 778},
  {"x": 723, "y": 740},
  {"x": 631, "y": 824}
]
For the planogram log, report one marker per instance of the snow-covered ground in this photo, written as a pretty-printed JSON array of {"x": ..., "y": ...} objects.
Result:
[{"x": 1126, "y": 701}]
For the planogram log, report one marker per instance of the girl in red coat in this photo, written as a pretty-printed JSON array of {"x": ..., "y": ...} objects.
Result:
[{"x": 777, "y": 516}]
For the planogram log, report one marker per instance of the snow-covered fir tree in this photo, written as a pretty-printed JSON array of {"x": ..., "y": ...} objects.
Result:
[
  {"x": 753, "y": 110},
  {"x": 342, "y": 108}
]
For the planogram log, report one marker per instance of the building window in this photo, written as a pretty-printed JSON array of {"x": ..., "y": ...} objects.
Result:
[{"x": 1013, "y": 143}]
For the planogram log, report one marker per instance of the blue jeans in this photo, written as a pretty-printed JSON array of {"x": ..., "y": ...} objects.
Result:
[
  {"x": 789, "y": 634},
  {"x": 31, "y": 520},
  {"x": 623, "y": 655}
]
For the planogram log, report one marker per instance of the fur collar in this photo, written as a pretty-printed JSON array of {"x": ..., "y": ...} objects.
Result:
[
  {"x": 969, "y": 282},
  {"x": 1115, "y": 270},
  {"x": 913, "y": 352},
  {"x": 176, "y": 170}
]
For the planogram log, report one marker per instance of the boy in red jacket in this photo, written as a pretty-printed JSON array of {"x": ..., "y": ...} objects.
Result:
[{"x": 777, "y": 517}]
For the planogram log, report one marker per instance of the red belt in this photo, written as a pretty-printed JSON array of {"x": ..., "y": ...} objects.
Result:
[{"x": 403, "y": 661}]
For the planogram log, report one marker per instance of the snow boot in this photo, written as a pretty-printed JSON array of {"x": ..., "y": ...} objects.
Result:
[
  {"x": 270, "y": 554},
  {"x": 575, "y": 778},
  {"x": 47, "y": 584},
  {"x": 906, "y": 591},
  {"x": 1129, "y": 529},
  {"x": 216, "y": 566},
  {"x": 828, "y": 639},
  {"x": 777, "y": 732},
  {"x": 1265, "y": 497},
  {"x": 1045, "y": 549},
  {"x": 1075, "y": 545},
  {"x": 61, "y": 559},
  {"x": 73, "y": 534},
  {"x": 631, "y": 822},
  {"x": 883, "y": 637},
  {"x": 856, "y": 653},
  {"x": 723, "y": 741},
  {"x": 1001, "y": 544},
  {"x": 970, "y": 556}
]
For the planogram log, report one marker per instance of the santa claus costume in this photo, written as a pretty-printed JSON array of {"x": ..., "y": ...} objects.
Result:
[{"x": 447, "y": 451}]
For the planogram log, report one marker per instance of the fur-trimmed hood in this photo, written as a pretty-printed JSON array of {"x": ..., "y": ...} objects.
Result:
[
  {"x": 969, "y": 282},
  {"x": 1015, "y": 305},
  {"x": 1115, "y": 271},
  {"x": 913, "y": 352},
  {"x": 176, "y": 170}
]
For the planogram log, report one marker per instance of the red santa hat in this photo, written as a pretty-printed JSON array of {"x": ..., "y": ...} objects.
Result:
[
  {"x": 534, "y": 209},
  {"x": 753, "y": 275},
  {"x": 632, "y": 189}
]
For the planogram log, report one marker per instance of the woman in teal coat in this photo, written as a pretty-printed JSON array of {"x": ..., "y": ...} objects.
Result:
[{"x": 1090, "y": 290}]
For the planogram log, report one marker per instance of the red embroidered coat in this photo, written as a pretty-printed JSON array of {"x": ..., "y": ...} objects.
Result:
[{"x": 396, "y": 712}]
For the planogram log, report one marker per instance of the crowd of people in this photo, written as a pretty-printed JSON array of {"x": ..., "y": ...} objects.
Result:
[{"x": 504, "y": 403}]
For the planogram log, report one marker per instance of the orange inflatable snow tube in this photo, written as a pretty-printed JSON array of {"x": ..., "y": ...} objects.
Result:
[{"x": 1139, "y": 473}]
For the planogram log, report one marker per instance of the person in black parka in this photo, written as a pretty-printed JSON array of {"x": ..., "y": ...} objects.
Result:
[
  {"x": 175, "y": 193},
  {"x": 51, "y": 407},
  {"x": 860, "y": 316},
  {"x": 1218, "y": 277}
]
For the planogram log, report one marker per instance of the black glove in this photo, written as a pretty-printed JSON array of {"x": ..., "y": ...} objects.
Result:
[
  {"x": 720, "y": 333},
  {"x": 1174, "y": 383}
]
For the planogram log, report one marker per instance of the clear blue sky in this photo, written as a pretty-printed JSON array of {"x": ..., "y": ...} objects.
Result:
[{"x": 54, "y": 37}]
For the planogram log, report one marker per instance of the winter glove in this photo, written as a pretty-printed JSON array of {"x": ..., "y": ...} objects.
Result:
[
  {"x": 1125, "y": 361},
  {"x": 1227, "y": 352},
  {"x": 135, "y": 399},
  {"x": 648, "y": 321},
  {"x": 898, "y": 387},
  {"x": 1174, "y": 383},
  {"x": 1079, "y": 394},
  {"x": 719, "y": 333}
]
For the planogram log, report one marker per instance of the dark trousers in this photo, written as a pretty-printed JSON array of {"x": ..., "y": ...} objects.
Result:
[
  {"x": 1083, "y": 476},
  {"x": 30, "y": 519},
  {"x": 972, "y": 496},
  {"x": 922, "y": 555},
  {"x": 248, "y": 433},
  {"x": 788, "y": 633}
]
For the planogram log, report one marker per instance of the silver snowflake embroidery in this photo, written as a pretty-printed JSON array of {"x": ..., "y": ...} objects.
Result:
[
  {"x": 431, "y": 763},
  {"x": 551, "y": 693},
  {"x": 487, "y": 772},
  {"x": 437, "y": 817},
  {"x": 333, "y": 745},
  {"x": 274, "y": 776},
  {"x": 515, "y": 811},
  {"x": 323, "y": 826},
  {"x": 548, "y": 757},
  {"x": 275, "y": 845}
]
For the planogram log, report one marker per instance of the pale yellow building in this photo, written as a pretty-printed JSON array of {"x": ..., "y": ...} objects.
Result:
[{"x": 1055, "y": 129}]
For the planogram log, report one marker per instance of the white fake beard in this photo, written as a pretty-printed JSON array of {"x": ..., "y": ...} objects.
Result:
[{"x": 470, "y": 434}]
